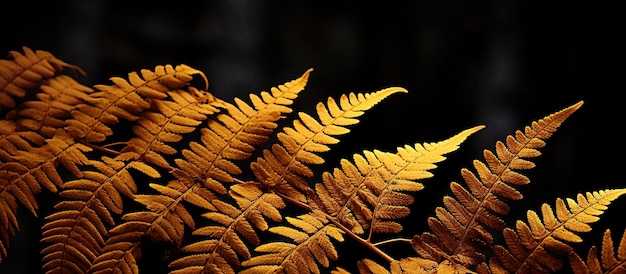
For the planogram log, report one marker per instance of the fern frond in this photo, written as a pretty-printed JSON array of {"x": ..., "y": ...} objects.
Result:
[
  {"x": 313, "y": 247},
  {"x": 536, "y": 244},
  {"x": 167, "y": 123},
  {"x": 224, "y": 244},
  {"x": 231, "y": 136},
  {"x": 459, "y": 230},
  {"x": 608, "y": 262},
  {"x": 32, "y": 169},
  {"x": 58, "y": 97},
  {"x": 125, "y": 99},
  {"x": 75, "y": 232},
  {"x": 26, "y": 71},
  {"x": 370, "y": 192},
  {"x": 284, "y": 167}
]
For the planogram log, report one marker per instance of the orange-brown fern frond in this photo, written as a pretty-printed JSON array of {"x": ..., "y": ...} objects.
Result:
[
  {"x": 229, "y": 136},
  {"x": 538, "y": 244},
  {"x": 224, "y": 244},
  {"x": 608, "y": 262},
  {"x": 58, "y": 97},
  {"x": 312, "y": 247},
  {"x": 31, "y": 169},
  {"x": 459, "y": 230},
  {"x": 371, "y": 192},
  {"x": 167, "y": 122},
  {"x": 75, "y": 232},
  {"x": 26, "y": 71},
  {"x": 284, "y": 167},
  {"x": 126, "y": 99}
]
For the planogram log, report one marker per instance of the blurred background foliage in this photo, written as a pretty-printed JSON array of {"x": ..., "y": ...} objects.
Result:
[{"x": 498, "y": 63}]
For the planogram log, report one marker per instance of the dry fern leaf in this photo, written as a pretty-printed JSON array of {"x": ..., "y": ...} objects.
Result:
[
  {"x": 224, "y": 244},
  {"x": 26, "y": 71},
  {"x": 371, "y": 192},
  {"x": 312, "y": 247},
  {"x": 58, "y": 97},
  {"x": 31, "y": 169},
  {"x": 535, "y": 246},
  {"x": 75, "y": 232},
  {"x": 459, "y": 229},
  {"x": 230, "y": 136},
  {"x": 126, "y": 99},
  {"x": 234, "y": 134},
  {"x": 167, "y": 122},
  {"x": 608, "y": 263},
  {"x": 284, "y": 167}
]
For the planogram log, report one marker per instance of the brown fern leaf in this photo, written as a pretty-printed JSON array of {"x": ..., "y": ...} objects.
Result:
[
  {"x": 58, "y": 97},
  {"x": 26, "y": 71},
  {"x": 32, "y": 169},
  {"x": 536, "y": 246},
  {"x": 608, "y": 262},
  {"x": 126, "y": 99},
  {"x": 284, "y": 167},
  {"x": 313, "y": 247},
  {"x": 167, "y": 123},
  {"x": 75, "y": 232},
  {"x": 459, "y": 230},
  {"x": 230, "y": 136},
  {"x": 226, "y": 246},
  {"x": 371, "y": 192}
]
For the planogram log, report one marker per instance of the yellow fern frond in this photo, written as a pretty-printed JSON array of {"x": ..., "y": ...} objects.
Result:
[
  {"x": 369, "y": 193},
  {"x": 462, "y": 223},
  {"x": 125, "y": 99},
  {"x": 224, "y": 243},
  {"x": 313, "y": 247},
  {"x": 534, "y": 246},
  {"x": 608, "y": 262},
  {"x": 26, "y": 71},
  {"x": 284, "y": 167}
]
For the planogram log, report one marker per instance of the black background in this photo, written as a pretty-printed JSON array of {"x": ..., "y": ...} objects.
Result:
[{"x": 502, "y": 64}]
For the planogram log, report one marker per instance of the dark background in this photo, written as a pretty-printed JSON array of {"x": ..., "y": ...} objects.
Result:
[{"x": 498, "y": 63}]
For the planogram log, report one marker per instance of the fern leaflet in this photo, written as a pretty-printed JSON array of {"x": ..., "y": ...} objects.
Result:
[
  {"x": 608, "y": 262},
  {"x": 284, "y": 167},
  {"x": 533, "y": 246},
  {"x": 370, "y": 192},
  {"x": 459, "y": 230}
]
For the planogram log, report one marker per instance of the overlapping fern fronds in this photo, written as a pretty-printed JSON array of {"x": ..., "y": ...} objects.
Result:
[{"x": 153, "y": 157}]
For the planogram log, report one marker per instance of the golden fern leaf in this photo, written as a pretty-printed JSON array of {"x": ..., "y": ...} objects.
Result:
[
  {"x": 230, "y": 136},
  {"x": 58, "y": 97},
  {"x": 313, "y": 247},
  {"x": 608, "y": 262},
  {"x": 163, "y": 223},
  {"x": 534, "y": 246},
  {"x": 226, "y": 246},
  {"x": 26, "y": 71},
  {"x": 32, "y": 169},
  {"x": 233, "y": 135},
  {"x": 125, "y": 99},
  {"x": 459, "y": 230},
  {"x": 284, "y": 167},
  {"x": 370, "y": 192},
  {"x": 167, "y": 123},
  {"x": 75, "y": 232}
]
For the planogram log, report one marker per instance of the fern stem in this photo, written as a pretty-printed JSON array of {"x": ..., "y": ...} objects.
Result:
[
  {"x": 333, "y": 220},
  {"x": 392, "y": 240},
  {"x": 101, "y": 148}
]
